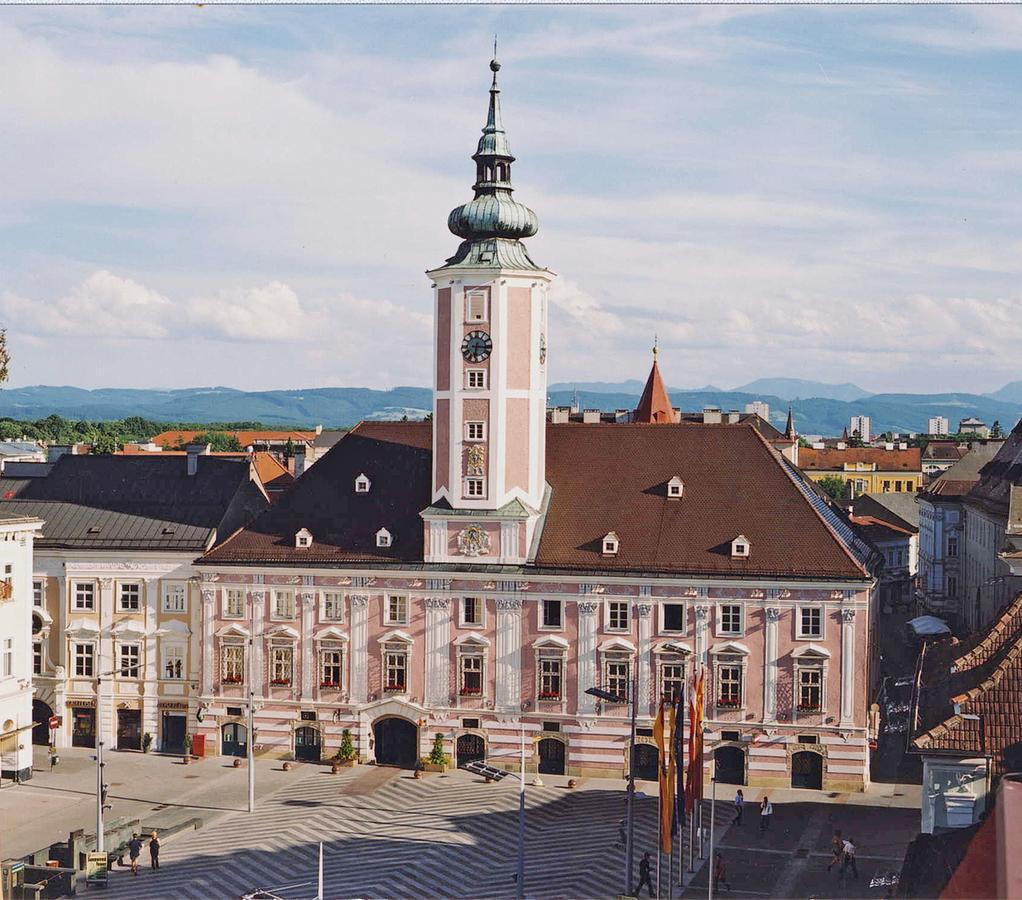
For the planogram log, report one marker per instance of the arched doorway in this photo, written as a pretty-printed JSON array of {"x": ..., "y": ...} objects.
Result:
[
  {"x": 729, "y": 765},
  {"x": 551, "y": 756},
  {"x": 307, "y": 744},
  {"x": 646, "y": 759},
  {"x": 807, "y": 770},
  {"x": 396, "y": 742},
  {"x": 470, "y": 748},
  {"x": 41, "y": 713},
  {"x": 234, "y": 739}
]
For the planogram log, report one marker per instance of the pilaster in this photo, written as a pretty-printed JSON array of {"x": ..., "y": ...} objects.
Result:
[
  {"x": 208, "y": 600},
  {"x": 847, "y": 668},
  {"x": 586, "y": 658},
  {"x": 645, "y": 698},
  {"x": 150, "y": 671},
  {"x": 308, "y": 599},
  {"x": 438, "y": 652},
  {"x": 702, "y": 633},
  {"x": 105, "y": 664},
  {"x": 509, "y": 654},
  {"x": 771, "y": 614},
  {"x": 359, "y": 648},
  {"x": 258, "y": 687}
]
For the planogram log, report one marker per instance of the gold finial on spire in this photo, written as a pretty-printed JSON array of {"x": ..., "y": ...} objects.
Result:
[{"x": 656, "y": 348}]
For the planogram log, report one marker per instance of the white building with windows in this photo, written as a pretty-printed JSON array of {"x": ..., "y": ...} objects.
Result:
[
  {"x": 861, "y": 426},
  {"x": 938, "y": 425},
  {"x": 17, "y": 533}
]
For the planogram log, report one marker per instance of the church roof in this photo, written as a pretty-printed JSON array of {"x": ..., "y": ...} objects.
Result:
[
  {"x": 654, "y": 405},
  {"x": 602, "y": 478}
]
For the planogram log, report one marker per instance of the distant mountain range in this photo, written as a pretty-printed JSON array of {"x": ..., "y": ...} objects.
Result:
[{"x": 339, "y": 407}]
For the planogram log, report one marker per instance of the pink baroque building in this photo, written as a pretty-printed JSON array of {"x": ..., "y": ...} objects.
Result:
[{"x": 473, "y": 575}]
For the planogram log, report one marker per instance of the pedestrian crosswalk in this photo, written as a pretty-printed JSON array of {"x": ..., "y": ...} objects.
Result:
[{"x": 452, "y": 836}]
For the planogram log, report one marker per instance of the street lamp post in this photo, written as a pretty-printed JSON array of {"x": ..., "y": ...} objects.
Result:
[
  {"x": 521, "y": 817},
  {"x": 630, "y": 815},
  {"x": 250, "y": 743}
]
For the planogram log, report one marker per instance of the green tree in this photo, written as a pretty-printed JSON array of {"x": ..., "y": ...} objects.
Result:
[
  {"x": 436, "y": 755},
  {"x": 856, "y": 439},
  {"x": 833, "y": 486},
  {"x": 5, "y": 357},
  {"x": 347, "y": 748},
  {"x": 995, "y": 430},
  {"x": 105, "y": 445},
  {"x": 219, "y": 441}
]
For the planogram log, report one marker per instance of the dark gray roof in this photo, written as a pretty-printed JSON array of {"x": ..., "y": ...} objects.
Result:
[
  {"x": 902, "y": 504},
  {"x": 138, "y": 501},
  {"x": 328, "y": 438}
]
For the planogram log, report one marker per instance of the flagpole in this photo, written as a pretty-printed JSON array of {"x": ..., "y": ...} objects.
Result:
[
  {"x": 713, "y": 802},
  {"x": 319, "y": 892}
]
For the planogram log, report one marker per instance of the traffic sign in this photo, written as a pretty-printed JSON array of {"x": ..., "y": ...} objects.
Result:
[{"x": 54, "y": 722}]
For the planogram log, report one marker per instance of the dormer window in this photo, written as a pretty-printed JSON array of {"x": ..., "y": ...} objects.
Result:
[
  {"x": 675, "y": 488},
  {"x": 362, "y": 484},
  {"x": 610, "y": 544},
  {"x": 303, "y": 538},
  {"x": 740, "y": 547},
  {"x": 383, "y": 538}
]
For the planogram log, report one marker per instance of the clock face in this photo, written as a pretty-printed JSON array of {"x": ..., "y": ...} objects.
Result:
[
  {"x": 477, "y": 346},
  {"x": 542, "y": 349}
]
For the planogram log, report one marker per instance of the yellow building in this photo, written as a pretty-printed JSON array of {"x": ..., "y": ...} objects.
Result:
[{"x": 865, "y": 470}]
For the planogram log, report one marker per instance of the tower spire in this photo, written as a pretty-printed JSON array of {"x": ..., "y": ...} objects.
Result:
[
  {"x": 789, "y": 428},
  {"x": 654, "y": 405}
]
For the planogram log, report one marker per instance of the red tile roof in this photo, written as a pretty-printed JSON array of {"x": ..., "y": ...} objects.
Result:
[
  {"x": 908, "y": 460},
  {"x": 654, "y": 405},
  {"x": 602, "y": 478},
  {"x": 178, "y": 437}
]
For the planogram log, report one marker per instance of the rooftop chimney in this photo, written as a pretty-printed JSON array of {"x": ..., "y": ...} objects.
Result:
[
  {"x": 56, "y": 451},
  {"x": 559, "y": 414},
  {"x": 590, "y": 416},
  {"x": 194, "y": 451},
  {"x": 733, "y": 417},
  {"x": 711, "y": 415},
  {"x": 299, "y": 460}
]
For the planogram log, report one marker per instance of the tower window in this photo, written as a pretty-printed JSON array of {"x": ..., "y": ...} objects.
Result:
[
  {"x": 475, "y": 487},
  {"x": 475, "y": 431},
  {"x": 476, "y": 379},
  {"x": 475, "y": 306}
]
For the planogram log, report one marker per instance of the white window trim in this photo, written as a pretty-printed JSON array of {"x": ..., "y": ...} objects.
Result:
[
  {"x": 165, "y": 590},
  {"x": 617, "y": 656},
  {"x": 474, "y": 479},
  {"x": 387, "y": 619},
  {"x": 718, "y": 615},
  {"x": 39, "y": 583},
  {"x": 141, "y": 597},
  {"x": 551, "y": 653},
  {"x": 471, "y": 651},
  {"x": 485, "y": 377},
  {"x": 469, "y": 436},
  {"x": 139, "y": 671},
  {"x": 540, "y": 607},
  {"x": 74, "y": 658},
  {"x": 282, "y": 644},
  {"x": 362, "y": 484},
  {"x": 462, "y": 622},
  {"x": 628, "y": 615},
  {"x": 303, "y": 538},
  {"x": 342, "y": 601},
  {"x": 799, "y": 634},
  {"x": 804, "y": 664},
  {"x": 274, "y": 616},
  {"x": 225, "y": 604},
  {"x": 662, "y": 612},
  {"x": 671, "y": 659},
  {"x": 74, "y": 595},
  {"x": 610, "y": 544},
  {"x": 729, "y": 658},
  {"x": 397, "y": 648},
  {"x": 331, "y": 646},
  {"x": 477, "y": 294},
  {"x": 166, "y": 649},
  {"x": 237, "y": 643},
  {"x": 384, "y": 538}
]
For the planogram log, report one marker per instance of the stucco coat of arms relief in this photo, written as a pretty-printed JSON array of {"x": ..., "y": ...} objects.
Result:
[
  {"x": 475, "y": 459},
  {"x": 473, "y": 541}
]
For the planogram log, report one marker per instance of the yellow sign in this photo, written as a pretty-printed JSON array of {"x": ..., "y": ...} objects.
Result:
[{"x": 96, "y": 868}]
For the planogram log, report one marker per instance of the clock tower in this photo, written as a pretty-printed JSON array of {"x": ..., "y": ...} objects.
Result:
[{"x": 489, "y": 377}]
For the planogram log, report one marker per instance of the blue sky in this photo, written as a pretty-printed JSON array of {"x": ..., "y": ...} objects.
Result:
[{"x": 250, "y": 196}]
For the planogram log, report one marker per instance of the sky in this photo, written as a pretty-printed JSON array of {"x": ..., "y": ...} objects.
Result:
[{"x": 250, "y": 196}]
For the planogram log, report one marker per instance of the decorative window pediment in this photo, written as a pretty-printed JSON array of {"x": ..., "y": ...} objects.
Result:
[
  {"x": 81, "y": 628},
  {"x": 550, "y": 642},
  {"x": 233, "y": 631},
  {"x": 331, "y": 634},
  {"x": 672, "y": 647},
  {"x": 396, "y": 636},
  {"x": 128, "y": 628},
  {"x": 730, "y": 647},
  {"x": 472, "y": 640},
  {"x": 619, "y": 645},
  {"x": 810, "y": 652},
  {"x": 283, "y": 632},
  {"x": 175, "y": 627}
]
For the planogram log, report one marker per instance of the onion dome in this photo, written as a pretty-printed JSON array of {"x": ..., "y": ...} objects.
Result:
[{"x": 492, "y": 223}]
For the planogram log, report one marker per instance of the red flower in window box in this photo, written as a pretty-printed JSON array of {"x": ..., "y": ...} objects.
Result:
[
  {"x": 231, "y": 679},
  {"x": 471, "y": 691},
  {"x": 328, "y": 684},
  {"x": 394, "y": 688},
  {"x": 281, "y": 681},
  {"x": 809, "y": 707},
  {"x": 728, "y": 703},
  {"x": 549, "y": 695}
]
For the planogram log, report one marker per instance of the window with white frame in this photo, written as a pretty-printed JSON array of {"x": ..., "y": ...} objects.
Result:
[
  {"x": 810, "y": 688},
  {"x": 129, "y": 597},
  {"x": 470, "y": 672},
  {"x": 282, "y": 658},
  {"x": 396, "y": 609},
  {"x": 234, "y": 603},
  {"x": 672, "y": 681},
  {"x": 475, "y": 379},
  {"x": 232, "y": 662},
  {"x": 551, "y": 614},
  {"x": 175, "y": 597},
  {"x": 611, "y": 543},
  {"x": 952, "y": 547},
  {"x": 38, "y": 595},
  {"x": 729, "y": 619},
  {"x": 551, "y": 676},
  {"x": 472, "y": 611},
  {"x": 395, "y": 669},
  {"x": 362, "y": 484},
  {"x": 283, "y": 605},
  {"x": 85, "y": 660},
  {"x": 37, "y": 658},
  {"x": 730, "y": 682},
  {"x": 475, "y": 487},
  {"x": 673, "y": 617},
  {"x": 617, "y": 676},
  {"x": 7, "y": 663},
  {"x": 475, "y": 306},
  {"x": 331, "y": 660},
  {"x": 810, "y": 622},
  {"x": 475, "y": 431},
  {"x": 617, "y": 615},
  {"x": 174, "y": 662},
  {"x": 384, "y": 538},
  {"x": 128, "y": 660},
  {"x": 333, "y": 606},
  {"x": 84, "y": 595}
]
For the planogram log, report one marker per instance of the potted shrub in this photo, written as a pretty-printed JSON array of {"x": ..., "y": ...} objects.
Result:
[
  {"x": 188, "y": 748},
  {"x": 345, "y": 756},
  {"x": 437, "y": 761},
  {"x": 147, "y": 742}
]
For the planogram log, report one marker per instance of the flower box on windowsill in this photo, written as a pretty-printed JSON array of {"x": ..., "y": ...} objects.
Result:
[
  {"x": 332, "y": 685},
  {"x": 810, "y": 708},
  {"x": 548, "y": 695},
  {"x": 231, "y": 679},
  {"x": 471, "y": 692},
  {"x": 281, "y": 682},
  {"x": 728, "y": 704},
  {"x": 394, "y": 689}
]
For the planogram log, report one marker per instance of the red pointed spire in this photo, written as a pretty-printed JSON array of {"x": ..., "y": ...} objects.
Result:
[
  {"x": 789, "y": 429},
  {"x": 654, "y": 405}
]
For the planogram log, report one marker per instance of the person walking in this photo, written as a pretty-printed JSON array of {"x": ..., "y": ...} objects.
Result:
[
  {"x": 848, "y": 862},
  {"x": 766, "y": 810},
  {"x": 837, "y": 850},
  {"x": 154, "y": 851},
  {"x": 739, "y": 805},
  {"x": 644, "y": 878},
  {"x": 720, "y": 872},
  {"x": 622, "y": 834},
  {"x": 134, "y": 849}
]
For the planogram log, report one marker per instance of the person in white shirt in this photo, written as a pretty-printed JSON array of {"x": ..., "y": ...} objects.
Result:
[
  {"x": 739, "y": 804},
  {"x": 849, "y": 859},
  {"x": 766, "y": 810}
]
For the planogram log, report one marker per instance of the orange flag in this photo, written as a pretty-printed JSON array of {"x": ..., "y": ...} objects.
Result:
[
  {"x": 694, "y": 782},
  {"x": 667, "y": 799}
]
